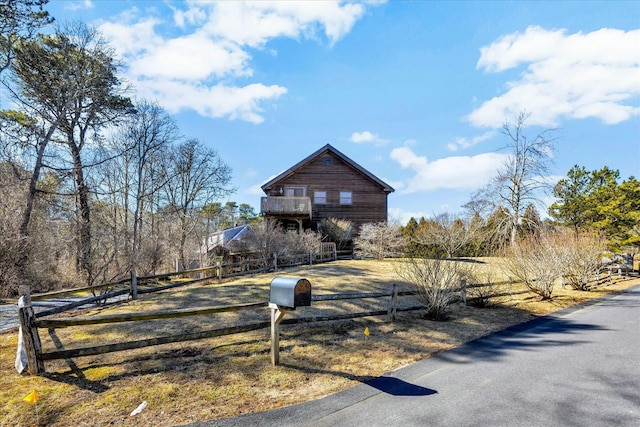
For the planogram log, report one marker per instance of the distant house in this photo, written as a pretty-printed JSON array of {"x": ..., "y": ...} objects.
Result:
[
  {"x": 326, "y": 184},
  {"x": 227, "y": 242}
]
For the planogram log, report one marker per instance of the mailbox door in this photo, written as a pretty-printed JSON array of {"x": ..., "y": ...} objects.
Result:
[{"x": 303, "y": 293}]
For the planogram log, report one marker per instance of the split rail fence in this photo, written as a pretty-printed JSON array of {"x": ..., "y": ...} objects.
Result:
[{"x": 30, "y": 321}]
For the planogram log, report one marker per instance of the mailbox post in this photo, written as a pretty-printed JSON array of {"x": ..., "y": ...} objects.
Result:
[
  {"x": 285, "y": 293},
  {"x": 276, "y": 316}
]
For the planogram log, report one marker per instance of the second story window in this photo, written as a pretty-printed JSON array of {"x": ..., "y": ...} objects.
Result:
[
  {"x": 346, "y": 198},
  {"x": 295, "y": 191},
  {"x": 320, "y": 197}
]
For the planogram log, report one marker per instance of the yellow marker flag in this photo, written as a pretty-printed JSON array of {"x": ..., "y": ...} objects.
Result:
[
  {"x": 31, "y": 397},
  {"x": 366, "y": 331}
]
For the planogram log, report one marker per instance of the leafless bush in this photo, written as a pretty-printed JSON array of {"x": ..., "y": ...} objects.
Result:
[
  {"x": 338, "y": 230},
  {"x": 536, "y": 262},
  {"x": 301, "y": 243},
  {"x": 480, "y": 296},
  {"x": 582, "y": 255},
  {"x": 449, "y": 233},
  {"x": 268, "y": 237},
  {"x": 437, "y": 282},
  {"x": 379, "y": 240}
]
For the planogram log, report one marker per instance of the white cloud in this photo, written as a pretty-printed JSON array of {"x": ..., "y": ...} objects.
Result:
[
  {"x": 367, "y": 137},
  {"x": 132, "y": 37},
  {"x": 397, "y": 185},
  {"x": 255, "y": 190},
  {"x": 456, "y": 172},
  {"x": 254, "y": 23},
  {"x": 241, "y": 103},
  {"x": 191, "y": 16},
  {"x": 462, "y": 142},
  {"x": 183, "y": 58},
  {"x": 78, "y": 5},
  {"x": 572, "y": 76},
  {"x": 192, "y": 61}
]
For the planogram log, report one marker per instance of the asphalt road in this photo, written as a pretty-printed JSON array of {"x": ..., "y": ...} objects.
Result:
[{"x": 579, "y": 367}]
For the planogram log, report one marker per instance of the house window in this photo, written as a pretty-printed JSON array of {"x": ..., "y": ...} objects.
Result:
[
  {"x": 346, "y": 198},
  {"x": 294, "y": 191},
  {"x": 320, "y": 197}
]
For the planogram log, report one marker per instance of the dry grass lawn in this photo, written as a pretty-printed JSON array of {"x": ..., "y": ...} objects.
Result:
[{"x": 227, "y": 376}]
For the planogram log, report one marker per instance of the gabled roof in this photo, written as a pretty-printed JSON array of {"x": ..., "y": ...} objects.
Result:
[{"x": 327, "y": 148}]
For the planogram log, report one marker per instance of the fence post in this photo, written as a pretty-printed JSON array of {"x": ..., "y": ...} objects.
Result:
[
  {"x": 275, "y": 261},
  {"x": 30, "y": 336},
  {"x": 134, "y": 285},
  {"x": 393, "y": 306},
  {"x": 310, "y": 258},
  {"x": 219, "y": 268},
  {"x": 335, "y": 252},
  {"x": 463, "y": 291}
]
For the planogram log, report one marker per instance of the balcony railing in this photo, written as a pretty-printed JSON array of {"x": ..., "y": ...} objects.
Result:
[{"x": 290, "y": 206}]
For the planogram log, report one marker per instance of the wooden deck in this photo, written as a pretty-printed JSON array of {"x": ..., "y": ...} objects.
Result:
[{"x": 298, "y": 207}]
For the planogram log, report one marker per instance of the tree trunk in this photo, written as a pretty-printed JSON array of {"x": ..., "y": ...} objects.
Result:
[{"x": 84, "y": 217}]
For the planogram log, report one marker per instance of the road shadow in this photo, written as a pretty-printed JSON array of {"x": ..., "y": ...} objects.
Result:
[
  {"x": 527, "y": 336},
  {"x": 398, "y": 387},
  {"x": 386, "y": 384},
  {"x": 530, "y": 335}
]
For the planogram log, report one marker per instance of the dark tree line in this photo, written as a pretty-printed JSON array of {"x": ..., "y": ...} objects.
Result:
[{"x": 596, "y": 201}]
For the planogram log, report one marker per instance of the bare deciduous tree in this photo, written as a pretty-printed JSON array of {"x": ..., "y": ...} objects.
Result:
[
  {"x": 521, "y": 179},
  {"x": 196, "y": 177},
  {"x": 134, "y": 175}
]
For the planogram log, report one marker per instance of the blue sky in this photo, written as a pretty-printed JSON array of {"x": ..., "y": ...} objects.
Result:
[{"x": 415, "y": 92}]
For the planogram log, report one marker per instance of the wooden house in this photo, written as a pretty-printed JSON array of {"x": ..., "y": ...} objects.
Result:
[{"x": 326, "y": 184}]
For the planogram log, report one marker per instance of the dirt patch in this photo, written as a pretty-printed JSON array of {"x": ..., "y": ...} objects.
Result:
[{"x": 228, "y": 376}]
